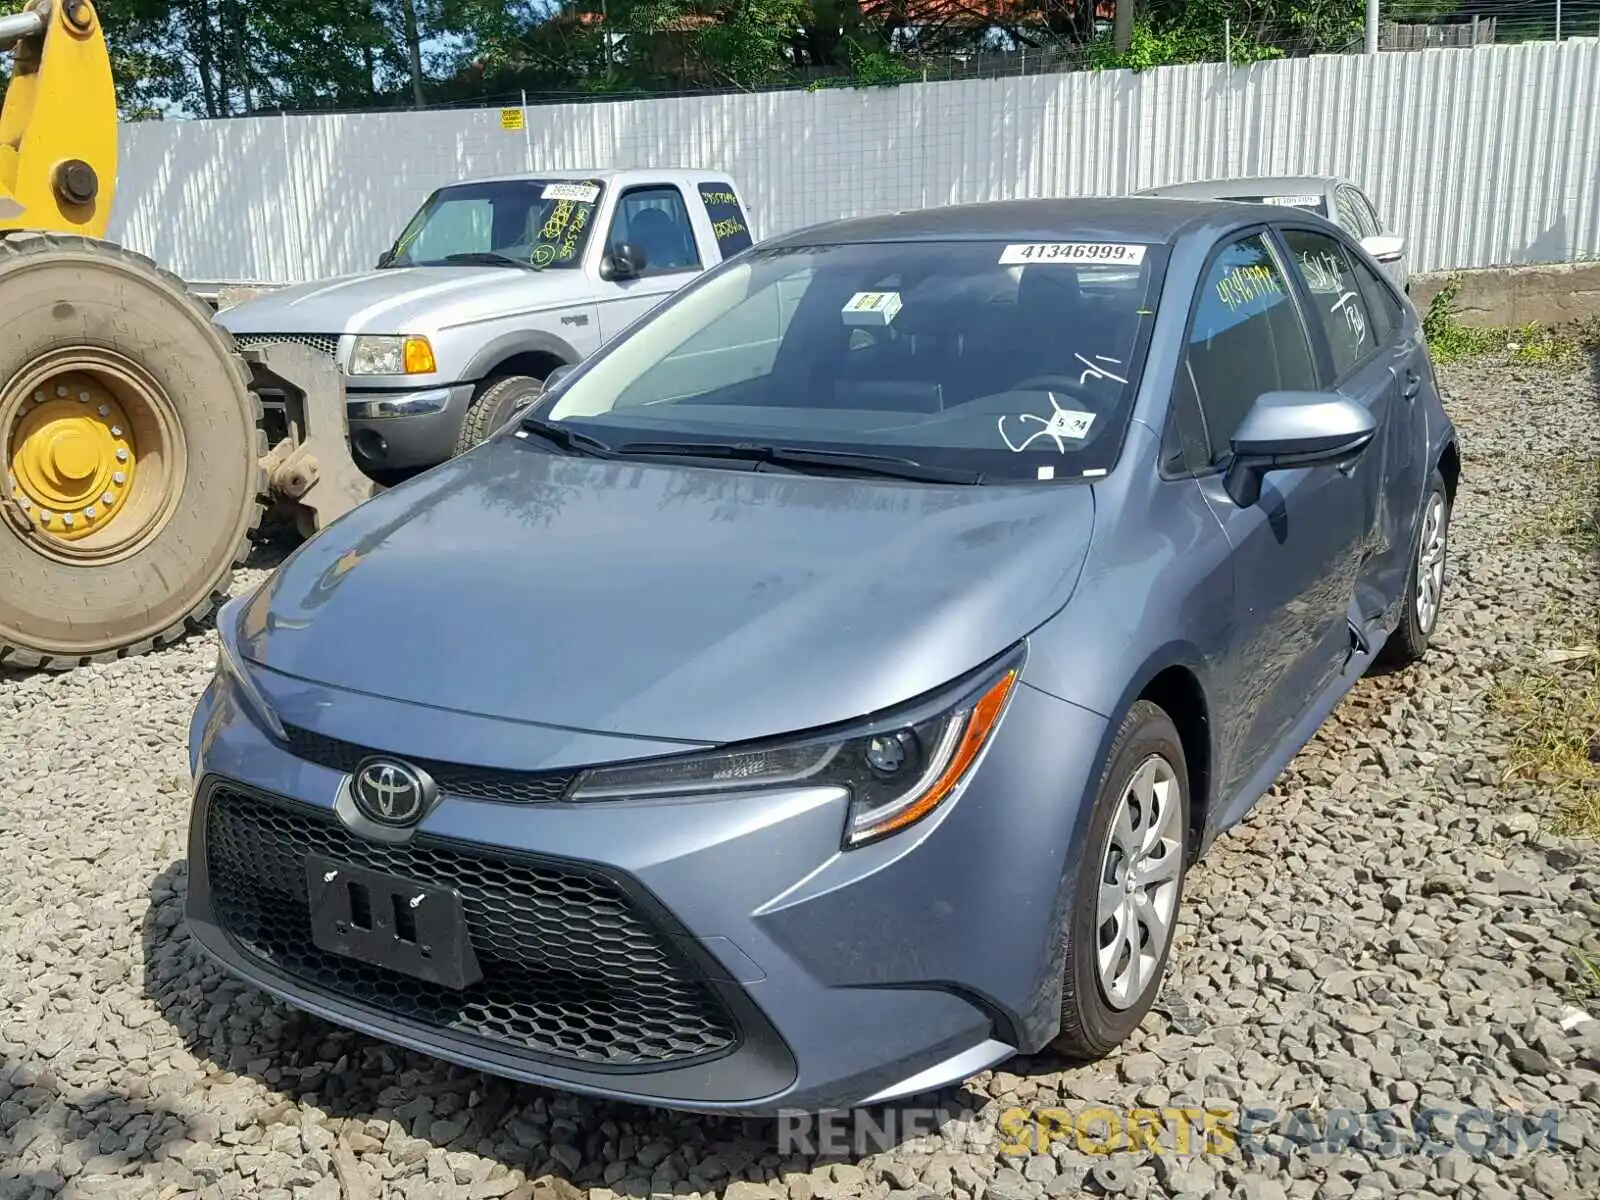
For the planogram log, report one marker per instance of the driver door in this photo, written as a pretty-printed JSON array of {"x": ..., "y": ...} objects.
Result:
[
  {"x": 1295, "y": 551},
  {"x": 653, "y": 218}
]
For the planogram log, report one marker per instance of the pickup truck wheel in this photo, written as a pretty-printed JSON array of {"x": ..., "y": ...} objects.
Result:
[{"x": 492, "y": 406}]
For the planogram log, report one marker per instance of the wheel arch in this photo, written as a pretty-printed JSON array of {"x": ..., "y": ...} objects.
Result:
[
  {"x": 520, "y": 353},
  {"x": 1172, "y": 679},
  {"x": 1449, "y": 465}
]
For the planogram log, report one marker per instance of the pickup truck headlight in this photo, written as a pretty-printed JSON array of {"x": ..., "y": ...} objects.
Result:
[
  {"x": 896, "y": 769},
  {"x": 386, "y": 354}
]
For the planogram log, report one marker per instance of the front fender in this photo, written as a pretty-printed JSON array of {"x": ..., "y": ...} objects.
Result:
[{"x": 511, "y": 343}]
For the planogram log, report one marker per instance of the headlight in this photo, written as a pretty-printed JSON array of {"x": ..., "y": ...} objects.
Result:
[
  {"x": 896, "y": 769},
  {"x": 392, "y": 355},
  {"x": 231, "y": 663}
]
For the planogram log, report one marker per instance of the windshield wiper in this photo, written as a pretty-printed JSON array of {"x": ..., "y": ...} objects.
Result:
[
  {"x": 487, "y": 258},
  {"x": 567, "y": 439},
  {"x": 845, "y": 461}
]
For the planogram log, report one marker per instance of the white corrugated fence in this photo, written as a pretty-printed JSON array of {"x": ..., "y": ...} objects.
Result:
[{"x": 1482, "y": 156}]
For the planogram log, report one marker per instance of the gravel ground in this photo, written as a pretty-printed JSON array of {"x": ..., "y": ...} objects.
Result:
[{"x": 1391, "y": 930}]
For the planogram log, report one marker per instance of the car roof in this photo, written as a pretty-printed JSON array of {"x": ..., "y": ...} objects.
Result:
[
  {"x": 621, "y": 175},
  {"x": 1075, "y": 219},
  {"x": 1262, "y": 185}
]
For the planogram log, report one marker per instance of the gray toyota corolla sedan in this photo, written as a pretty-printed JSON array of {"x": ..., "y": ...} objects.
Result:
[{"x": 817, "y": 696}]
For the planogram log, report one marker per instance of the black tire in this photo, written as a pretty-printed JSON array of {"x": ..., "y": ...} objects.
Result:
[
  {"x": 493, "y": 405},
  {"x": 65, "y": 295},
  {"x": 1409, "y": 642},
  {"x": 1091, "y": 1025}
]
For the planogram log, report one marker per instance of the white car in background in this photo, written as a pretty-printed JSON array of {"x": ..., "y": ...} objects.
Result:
[{"x": 1329, "y": 196}]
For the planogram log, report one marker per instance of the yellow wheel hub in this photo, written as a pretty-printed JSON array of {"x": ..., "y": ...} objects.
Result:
[{"x": 72, "y": 458}]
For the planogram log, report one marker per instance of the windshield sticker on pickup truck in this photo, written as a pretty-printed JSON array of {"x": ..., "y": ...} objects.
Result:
[
  {"x": 583, "y": 193},
  {"x": 1062, "y": 423},
  {"x": 871, "y": 308},
  {"x": 556, "y": 223},
  {"x": 569, "y": 244},
  {"x": 1024, "y": 253}
]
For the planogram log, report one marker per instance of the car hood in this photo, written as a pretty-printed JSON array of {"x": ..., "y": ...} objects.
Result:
[
  {"x": 660, "y": 601},
  {"x": 404, "y": 300}
]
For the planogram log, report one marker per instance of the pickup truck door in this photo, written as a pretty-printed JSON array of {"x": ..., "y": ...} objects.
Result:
[{"x": 655, "y": 218}]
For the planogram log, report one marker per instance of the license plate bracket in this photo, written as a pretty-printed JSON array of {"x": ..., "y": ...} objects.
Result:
[{"x": 418, "y": 929}]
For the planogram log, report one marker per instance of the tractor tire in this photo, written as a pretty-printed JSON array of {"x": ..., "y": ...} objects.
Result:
[
  {"x": 133, "y": 448},
  {"x": 493, "y": 405}
]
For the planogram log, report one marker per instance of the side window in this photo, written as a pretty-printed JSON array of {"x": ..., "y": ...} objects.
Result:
[
  {"x": 1383, "y": 310},
  {"x": 1370, "y": 214},
  {"x": 656, "y": 221},
  {"x": 1184, "y": 450},
  {"x": 1246, "y": 338},
  {"x": 1336, "y": 300},
  {"x": 727, "y": 217},
  {"x": 1352, "y": 215}
]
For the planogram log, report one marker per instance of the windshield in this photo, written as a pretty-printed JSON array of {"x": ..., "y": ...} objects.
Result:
[
  {"x": 524, "y": 223},
  {"x": 1015, "y": 361}
]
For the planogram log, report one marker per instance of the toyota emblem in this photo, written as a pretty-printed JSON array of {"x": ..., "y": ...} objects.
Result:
[{"x": 390, "y": 792}]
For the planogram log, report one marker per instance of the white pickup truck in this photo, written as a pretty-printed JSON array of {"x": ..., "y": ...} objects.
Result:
[{"x": 493, "y": 284}]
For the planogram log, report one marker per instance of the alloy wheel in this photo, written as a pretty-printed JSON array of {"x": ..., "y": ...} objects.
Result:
[{"x": 1139, "y": 871}]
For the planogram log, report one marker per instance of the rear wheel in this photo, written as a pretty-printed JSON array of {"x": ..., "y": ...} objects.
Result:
[
  {"x": 132, "y": 449},
  {"x": 1125, "y": 903},
  {"x": 493, "y": 406},
  {"x": 1424, "y": 583}
]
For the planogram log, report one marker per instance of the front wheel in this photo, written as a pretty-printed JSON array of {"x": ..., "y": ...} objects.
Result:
[
  {"x": 1130, "y": 880},
  {"x": 1424, "y": 582},
  {"x": 494, "y": 405}
]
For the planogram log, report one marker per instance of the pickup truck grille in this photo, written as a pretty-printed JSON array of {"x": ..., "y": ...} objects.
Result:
[{"x": 323, "y": 343}]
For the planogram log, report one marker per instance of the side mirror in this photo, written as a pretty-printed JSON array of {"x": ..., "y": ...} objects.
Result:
[
  {"x": 1286, "y": 430},
  {"x": 557, "y": 375},
  {"x": 623, "y": 262},
  {"x": 1385, "y": 247},
  {"x": 385, "y": 259}
]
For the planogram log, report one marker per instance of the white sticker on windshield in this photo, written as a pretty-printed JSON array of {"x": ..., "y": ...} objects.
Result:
[
  {"x": 871, "y": 308},
  {"x": 1071, "y": 252},
  {"x": 582, "y": 193},
  {"x": 1293, "y": 201},
  {"x": 1061, "y": 426}
]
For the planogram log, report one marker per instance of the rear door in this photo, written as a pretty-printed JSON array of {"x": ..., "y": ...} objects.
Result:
[
  {"x": 1396, "y": 326},
  {"x": 1360, "y": 358},
  {"x": 655, "y": 218}
]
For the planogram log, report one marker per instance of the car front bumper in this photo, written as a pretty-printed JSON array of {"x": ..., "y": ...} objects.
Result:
[
  {"x": 402, "y": 430},
  {"x": 778, "y": 972}
]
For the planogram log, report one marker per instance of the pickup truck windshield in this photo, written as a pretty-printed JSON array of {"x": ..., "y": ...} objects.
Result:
[
  {"x": 1010, "y": 362},
  {"x": 538, "y": 223}
]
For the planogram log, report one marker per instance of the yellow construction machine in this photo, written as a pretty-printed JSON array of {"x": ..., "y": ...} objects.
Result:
[{"x": 140, "y": 449}]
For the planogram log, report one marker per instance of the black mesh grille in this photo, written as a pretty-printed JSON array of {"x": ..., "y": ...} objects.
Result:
[
  {"x": 326, "y": 344},
  {"x": 474, "y": 783},
  {"x": 572, "y": 969}
]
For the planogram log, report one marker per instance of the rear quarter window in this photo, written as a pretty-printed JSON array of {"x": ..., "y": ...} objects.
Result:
[{"x": 728, "y": 221}]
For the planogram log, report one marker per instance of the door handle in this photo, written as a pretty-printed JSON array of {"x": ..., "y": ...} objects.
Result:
[{"x": 1413, "y": 385}]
